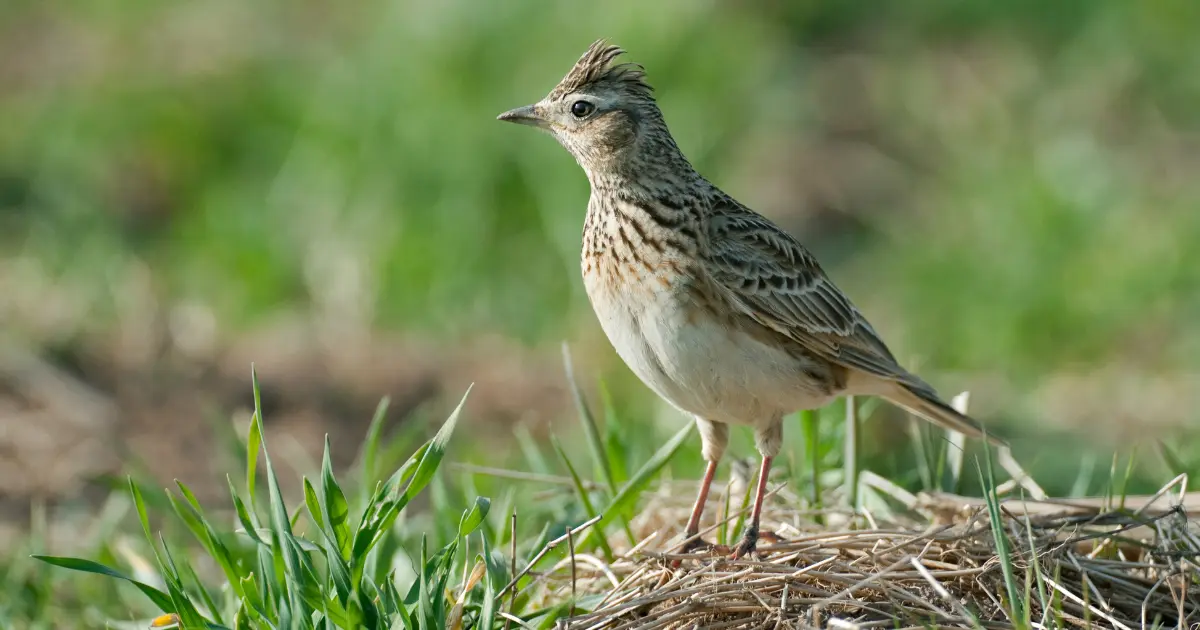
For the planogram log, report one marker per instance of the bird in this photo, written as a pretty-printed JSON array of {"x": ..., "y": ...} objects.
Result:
[{"x": 714, "y": 307}]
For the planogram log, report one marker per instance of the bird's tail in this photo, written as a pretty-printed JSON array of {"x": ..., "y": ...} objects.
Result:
[{"x": 924, "y": 402}]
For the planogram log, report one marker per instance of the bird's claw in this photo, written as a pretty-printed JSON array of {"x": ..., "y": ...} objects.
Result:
[
  {"x": 745, "y": 548},
  {"x": 695, "y": 543},
  {"x": 699, "y": 546},
  {"x": 749, "y": 544}
]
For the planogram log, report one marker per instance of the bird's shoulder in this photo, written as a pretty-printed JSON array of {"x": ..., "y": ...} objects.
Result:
[
  {"x": 770, "y": 277},
  {"x": 741, "y": 235},
  {"x": 759, "y": 261}
]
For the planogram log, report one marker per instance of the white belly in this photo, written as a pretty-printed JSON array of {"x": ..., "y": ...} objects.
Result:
[{"x": 695, "y": 362}]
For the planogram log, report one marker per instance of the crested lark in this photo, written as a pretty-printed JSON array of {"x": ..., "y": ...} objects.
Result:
[{"x": 715, "y": 308}]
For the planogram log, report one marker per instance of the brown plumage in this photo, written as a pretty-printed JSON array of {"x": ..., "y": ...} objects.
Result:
[{"x": 713, "y": 306}]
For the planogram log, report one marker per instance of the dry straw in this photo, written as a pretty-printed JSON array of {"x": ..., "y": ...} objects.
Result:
[{"x": 933, "y": 564}]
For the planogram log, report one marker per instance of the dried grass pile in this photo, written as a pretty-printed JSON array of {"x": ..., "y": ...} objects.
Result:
[{"x": 1073, "y": 564}]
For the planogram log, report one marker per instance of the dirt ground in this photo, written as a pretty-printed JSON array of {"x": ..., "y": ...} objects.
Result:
[{"x": 72, "y": 417}]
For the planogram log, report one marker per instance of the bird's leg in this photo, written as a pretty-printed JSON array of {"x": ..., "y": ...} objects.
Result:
[
  {"x": 768, "y": 439},
  {"x": 714, "y": 436},
  {"x": 691, "y": 535},
  {"x": 750, "y": 538}
]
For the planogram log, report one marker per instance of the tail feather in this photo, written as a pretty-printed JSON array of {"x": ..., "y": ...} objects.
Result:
[{"x": 925, "y": 403}]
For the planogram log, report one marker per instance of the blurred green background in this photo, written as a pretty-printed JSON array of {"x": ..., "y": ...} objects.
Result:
[{"x": 1008, "y": 190}]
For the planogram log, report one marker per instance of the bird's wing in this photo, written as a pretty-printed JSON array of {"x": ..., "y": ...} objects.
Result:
[{"x": 771, "y": 278}]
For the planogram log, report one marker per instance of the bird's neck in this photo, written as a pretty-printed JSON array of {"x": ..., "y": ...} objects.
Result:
[
  {"x": 658, "y": 190},
  {"x": 654, "y": 170}
]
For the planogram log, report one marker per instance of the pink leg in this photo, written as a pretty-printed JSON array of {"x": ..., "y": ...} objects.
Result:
[
  {"x": 693, "y": 526},
  {"x": 750, "y": 540}
]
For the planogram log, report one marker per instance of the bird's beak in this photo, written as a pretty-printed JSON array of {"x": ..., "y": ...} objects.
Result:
[{"x": 523, "y": 116}]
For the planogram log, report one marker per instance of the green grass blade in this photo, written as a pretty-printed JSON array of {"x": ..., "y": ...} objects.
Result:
[
  {"x": 404, "y": 472},
  {"x": 723, "y": 524},
  {"x": 281, "y": 531},
  {"x": 253, "y": 599},
  {"x": 535, "y": 461},
  {"x": 916, "y": 431},
  {"x": 850, "y": 455},
  {"x": 206, "y": 534},
  {"x": 313, "y": 504},
  {"x": 590, "y": 430},
  {"x": 615, "y": 450},
  {"x": 253, "y": 442},
  {"x": 405, "y": 620},
  {"x": 241, "y": 620},
  {"x": 337, "y": 510},
  {"x": 744, "y": 510},
  {"x": 382, "y": 511},
  {"x": 597, "y": 531},
  {"x": 189, "y": 496},
  {"x": 1083, "y": 479},
  {"x": 498, "y": 574},
  {"x": 341, "y": 617},
  {"x": 1110, "y": 486},
  {"x": 160, "y": 599},
  {"x": 188, "y": 615},
  {"x": 139, "y": 504},
  {"x": 424, "y": 597},
  {"x": 339, "y": 573},
  {"x": 307, "y": 585},
  {"x": 285, "y": 618},
  {"x": 1000, "y": 536},
  {"x": 370, "y": 448},
  {"x": 956, "y": 444},
  {"x": 189, "y": 519},
  {"x": 487, "y": 602},
  {"x": 614, "y": 438},
  {"x": 1035, "y": 566},
  {"x": 812, "y": 449},
  {"x": 390, "y": 600},
  {"x": 631, "y": 491},
  {"x": 940, "y": 442},
  {"x": 269, "y": 580},
  {"x": 473, "y": 518},
  {"x": 248, "y": 521},
  {"x": 369, "y": 612},
  {"x": 368, "y": 535},
  {"x": 1125, "y": 478},
  {"x": 434, "y": 452},
  {"x": 198, "y": 587},
  {"x": 1171, "y": 459}
]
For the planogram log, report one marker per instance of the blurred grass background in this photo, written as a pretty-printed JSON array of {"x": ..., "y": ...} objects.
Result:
[{"x": 1008, "y": 190}]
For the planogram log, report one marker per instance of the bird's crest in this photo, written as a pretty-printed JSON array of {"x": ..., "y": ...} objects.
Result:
[{"x": 596, "y": 66}]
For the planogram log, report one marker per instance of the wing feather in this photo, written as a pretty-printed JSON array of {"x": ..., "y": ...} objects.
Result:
[{"x": 771, "y": 278}]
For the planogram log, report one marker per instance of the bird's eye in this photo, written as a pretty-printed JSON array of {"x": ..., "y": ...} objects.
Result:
[{"x": 580, "y": 109}]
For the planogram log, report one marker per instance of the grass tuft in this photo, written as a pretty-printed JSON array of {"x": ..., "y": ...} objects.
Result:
[
  {"x": 276, "y": 578},
  {"x": 335, "y": 560}
]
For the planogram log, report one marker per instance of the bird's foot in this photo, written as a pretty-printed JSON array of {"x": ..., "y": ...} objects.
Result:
[
  {"x": 695, "y": 543},
  {"x": 699, "y": 546},
  {"x": 749, "y": 544}
]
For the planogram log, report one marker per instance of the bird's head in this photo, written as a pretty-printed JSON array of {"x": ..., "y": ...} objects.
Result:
[{"x": 602, "y": 112}]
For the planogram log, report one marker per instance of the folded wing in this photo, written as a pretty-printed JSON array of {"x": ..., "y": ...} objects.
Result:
[{"x": 768, "y": 276}]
